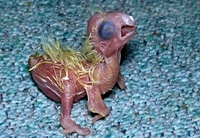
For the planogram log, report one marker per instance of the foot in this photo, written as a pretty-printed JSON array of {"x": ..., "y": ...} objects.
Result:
[
  {"x": 70, "y": 126},
  {"x": 96, "y": 104}
]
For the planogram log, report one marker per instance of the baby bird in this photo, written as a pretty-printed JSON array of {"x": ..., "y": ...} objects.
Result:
[{"x": 65, "y": 75}]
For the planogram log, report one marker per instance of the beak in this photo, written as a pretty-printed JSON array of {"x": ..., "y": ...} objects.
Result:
[{"x": 127, "y": 26}]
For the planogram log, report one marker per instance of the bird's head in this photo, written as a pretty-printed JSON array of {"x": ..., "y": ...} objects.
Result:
[{"x": 110, "y": 31}]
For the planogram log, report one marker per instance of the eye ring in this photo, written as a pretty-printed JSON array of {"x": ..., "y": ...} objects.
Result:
[{"x": 106, "y": 30}]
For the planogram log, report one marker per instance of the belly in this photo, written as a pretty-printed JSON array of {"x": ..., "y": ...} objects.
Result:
[{"x": 53, "y": 81}]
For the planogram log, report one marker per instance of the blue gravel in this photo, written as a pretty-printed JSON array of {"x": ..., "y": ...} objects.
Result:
[{"x": 161, "y": 66}]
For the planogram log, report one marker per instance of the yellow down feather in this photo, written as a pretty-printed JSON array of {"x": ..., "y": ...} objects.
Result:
[{"x": 73, "y": 60}]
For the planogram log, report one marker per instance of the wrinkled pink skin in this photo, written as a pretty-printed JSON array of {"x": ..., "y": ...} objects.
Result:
[{"x": 107, "y": 73}]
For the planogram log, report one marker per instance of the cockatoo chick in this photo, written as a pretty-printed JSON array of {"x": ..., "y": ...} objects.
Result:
[{"x": 65, "y": 75}]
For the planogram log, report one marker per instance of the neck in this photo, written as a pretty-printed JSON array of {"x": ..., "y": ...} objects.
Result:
[
  {"x": 116, "y": 57},
  {"x": 107, "y": 72}
]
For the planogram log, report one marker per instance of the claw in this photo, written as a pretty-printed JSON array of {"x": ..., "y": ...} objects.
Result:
[
  {"x": 96, "y": 118},
  {"x": 120, "y": 82}
]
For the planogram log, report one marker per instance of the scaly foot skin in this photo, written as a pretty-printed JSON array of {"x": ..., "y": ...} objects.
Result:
[{"x": 70, "y": 126}]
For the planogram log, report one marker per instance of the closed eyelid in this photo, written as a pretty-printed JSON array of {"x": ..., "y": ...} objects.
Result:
[{"x": 106, "y": 30}]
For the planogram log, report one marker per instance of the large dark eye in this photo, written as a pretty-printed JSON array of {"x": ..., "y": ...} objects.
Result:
[{"x": 106, "y": 30}]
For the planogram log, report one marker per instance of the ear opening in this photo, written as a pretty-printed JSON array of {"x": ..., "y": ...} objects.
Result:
[{"x": 103, "y": 47}]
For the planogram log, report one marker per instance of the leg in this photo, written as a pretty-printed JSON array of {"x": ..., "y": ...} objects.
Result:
[
  {"x": 68, "y": 125},
  {"x": 96, "y": 104}
]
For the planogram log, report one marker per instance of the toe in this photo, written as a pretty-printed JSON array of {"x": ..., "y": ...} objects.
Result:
[{"x": 83, "y": 131}]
